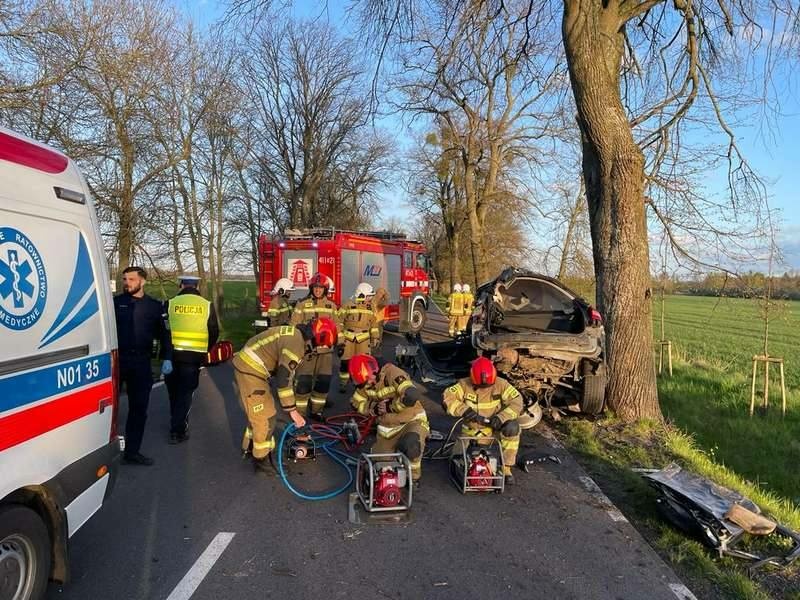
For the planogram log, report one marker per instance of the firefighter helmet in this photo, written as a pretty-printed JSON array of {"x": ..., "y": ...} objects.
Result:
[
  {"x": 483, "y": 372},
  {"x": 465, "y": 287},
  {"x": 361, "y": 367},
  {"x": 323, "y": 332},
  {"x": 283, "y": 286},
  {"x": 364, "y": 290},
  {"x": 457, "y": 287},
  {"x": 320, "y": 280}
]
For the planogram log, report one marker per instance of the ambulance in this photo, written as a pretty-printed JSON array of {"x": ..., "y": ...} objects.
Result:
[
  {"x": 59, "y": 448},
  {"x": 382, "y": 259}
]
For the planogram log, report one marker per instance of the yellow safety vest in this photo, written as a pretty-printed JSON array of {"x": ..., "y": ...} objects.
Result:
[{"x": 188, "y": 322}]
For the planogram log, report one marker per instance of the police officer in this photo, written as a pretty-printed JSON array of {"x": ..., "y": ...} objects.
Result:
[
  {"x": 194, "y": 329},
  {"x": 489, "y": 406},
  {"x": 140, "y": 320}
]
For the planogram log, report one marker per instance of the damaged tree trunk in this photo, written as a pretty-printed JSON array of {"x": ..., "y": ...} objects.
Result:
[{"x": 613, "y": 168}]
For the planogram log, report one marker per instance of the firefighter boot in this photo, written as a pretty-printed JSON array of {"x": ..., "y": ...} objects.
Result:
[
  {"x": 264, "y": 466},
  {"x": 509, "y": 476}
]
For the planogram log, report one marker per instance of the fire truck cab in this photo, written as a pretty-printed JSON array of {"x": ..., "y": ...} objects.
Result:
[{"x": 382, "y": 259}]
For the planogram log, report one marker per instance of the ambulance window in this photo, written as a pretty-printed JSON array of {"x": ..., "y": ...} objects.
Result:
[{"x": 408, "y": 260}]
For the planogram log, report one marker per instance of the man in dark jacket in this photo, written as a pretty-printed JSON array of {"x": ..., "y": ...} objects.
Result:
[
  {"x": 194, "y": 329},
  {"x": 140, "y": 321}
]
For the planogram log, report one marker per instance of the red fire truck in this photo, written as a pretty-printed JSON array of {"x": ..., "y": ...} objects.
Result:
[{"x": 347, "y": 258}]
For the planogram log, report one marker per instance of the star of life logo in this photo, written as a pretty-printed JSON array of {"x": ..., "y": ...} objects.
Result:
[{"x": 23, "y": 281}]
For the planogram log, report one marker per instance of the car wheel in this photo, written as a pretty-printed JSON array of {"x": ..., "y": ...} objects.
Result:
[
  {"x": 418, "y": 317},
  {"x": 530, "y": 417},
  {"x": 593, "y": 395},
  {"x": 24, "y": 554}
]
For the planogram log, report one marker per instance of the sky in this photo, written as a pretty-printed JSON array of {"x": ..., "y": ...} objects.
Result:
[{"x": 774, "y": 154}]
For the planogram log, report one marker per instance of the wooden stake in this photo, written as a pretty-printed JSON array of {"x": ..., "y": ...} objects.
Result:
[
  {"x": 753, "y": 388},
  {"x": 783, "y": 392}
]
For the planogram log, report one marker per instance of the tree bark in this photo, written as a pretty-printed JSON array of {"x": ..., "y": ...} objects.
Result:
[
  {"x": 613, "y": 168},
  {"x": 574, "y": 215}
]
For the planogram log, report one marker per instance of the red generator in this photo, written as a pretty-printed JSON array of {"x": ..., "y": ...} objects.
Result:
[{"x": 382, "y": 259}]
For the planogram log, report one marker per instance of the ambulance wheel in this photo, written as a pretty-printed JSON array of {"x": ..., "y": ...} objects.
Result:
[
  {"x": 24, "y": 554},
  {"x": 418, "y": 317}
]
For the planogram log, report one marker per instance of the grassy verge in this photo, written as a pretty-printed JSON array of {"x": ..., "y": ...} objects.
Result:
[{"x": 609, "y": 450}]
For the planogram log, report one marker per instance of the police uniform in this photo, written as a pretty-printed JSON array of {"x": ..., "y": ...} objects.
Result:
[
  {"x": 455, "y": 312},
  {"x": 139, "y": 321},
  {"x": 360, "y": 334},
  {"x": 280, "y": 311},
  {"x": 501, "y": 399},
  {"x": 404, "y": 427},
  {"x": 468, "y": 301},
  {"x": 314, "y": 375},
  {"x": 194, "y": 329},
  {"x": 275, "y": 352}
]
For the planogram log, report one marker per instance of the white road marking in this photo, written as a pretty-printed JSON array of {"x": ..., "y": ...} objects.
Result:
[
  {"x": 594, "y": 489},
  {"x": 192, "y": 580},
  {"x": 681, "y": 591}
]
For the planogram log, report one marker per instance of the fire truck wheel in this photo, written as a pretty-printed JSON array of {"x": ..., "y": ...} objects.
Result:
[
  {"x": 418, "y": 317},
  {"x": 24, "y": 554}
]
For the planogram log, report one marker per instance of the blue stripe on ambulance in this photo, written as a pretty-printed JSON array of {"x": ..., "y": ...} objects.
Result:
[
  {"x": 82, "y": 282},
  {"x": 26, "y": 388}
]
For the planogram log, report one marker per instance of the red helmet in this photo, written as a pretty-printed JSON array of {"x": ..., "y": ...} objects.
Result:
[
  {"x": 361, "y": 366},
  {"x": 483, "y": 372},
  {"x": 323, "y": 332},
  {"x": 320, "y": 280}
]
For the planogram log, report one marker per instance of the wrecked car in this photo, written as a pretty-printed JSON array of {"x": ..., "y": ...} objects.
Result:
[{"x": 544, "y": 338}]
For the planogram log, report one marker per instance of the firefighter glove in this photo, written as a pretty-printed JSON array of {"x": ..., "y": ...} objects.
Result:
[
  {"x": 495, "y": 423},
  {"x": 166, "y": 367},
  {"x": 380, "y": 408},
  {"x": 470, "y": 415},
  {"x": 339, "y": 351}
]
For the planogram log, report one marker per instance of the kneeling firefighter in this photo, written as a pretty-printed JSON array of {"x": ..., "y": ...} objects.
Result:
[
  {"x": 361, "y": 332},
  {"x": 490, "y": 407},
  {"x": 391, "y": 396},
  {"x": 276, "y": 352}
]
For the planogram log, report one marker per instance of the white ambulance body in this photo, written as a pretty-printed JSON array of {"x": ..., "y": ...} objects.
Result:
[{"x": 58, "y": 352}]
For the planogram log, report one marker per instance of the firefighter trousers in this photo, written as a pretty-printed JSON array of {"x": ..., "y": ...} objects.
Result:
[
  {"x": 312, "y": 382},
  {"x": 508, "y": 437},
  {"x": 410, "y": 440},
  {"x": 461, "y": 324},
  {"x": 453, "y": 324},
  {"x": 256, "y": 400},
  {"x": 355, "y": 342}
]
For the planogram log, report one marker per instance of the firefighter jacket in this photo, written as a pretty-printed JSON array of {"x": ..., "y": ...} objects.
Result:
[
  {"x": 393, "y": 387},
  {"x": 379, "y": 303},
  {"x": 501, "y": 399},
  {"x": 277, "y": 351},
  {"x": 311, "y": 307},
  {"x": 359, "y": 322},
  {"x": 280, "y": 311},
  {"x": 455, "y": 304},
  {"x": 469, "y": 300},
  {"x": 193, "y": 326}
]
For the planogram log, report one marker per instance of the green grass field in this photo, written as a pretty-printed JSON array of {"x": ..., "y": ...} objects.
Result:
[{"x": 714, "y": 341}]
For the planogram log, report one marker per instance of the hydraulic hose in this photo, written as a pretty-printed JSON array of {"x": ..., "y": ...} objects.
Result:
[{"x": 328, "y": 434}]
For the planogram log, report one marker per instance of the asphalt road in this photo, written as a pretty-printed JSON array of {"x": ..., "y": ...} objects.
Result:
[{"x": 202, "y": 509}]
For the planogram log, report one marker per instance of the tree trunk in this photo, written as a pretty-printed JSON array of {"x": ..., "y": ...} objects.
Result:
[{"x": 613, "y": 168}]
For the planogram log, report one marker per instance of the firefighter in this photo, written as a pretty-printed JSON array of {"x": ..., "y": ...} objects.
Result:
[
  {"x": 469, "y": 300},
  {"x": 391, "y": 396},
  {"x": 379, "y": 303},
  {"x": 280, "y": 311},
  {"x": 194, "y": 329},
  {"x": 455, "y": 309},
  {"x": 276, "y": 352},
  {"x": 359, "y": 329},
  {"x": 490, "y": 407},
  {"x": 314, "y": 375}
]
